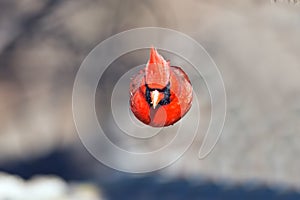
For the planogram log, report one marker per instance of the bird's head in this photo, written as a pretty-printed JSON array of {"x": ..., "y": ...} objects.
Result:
[{"x": 157, "y": 76}]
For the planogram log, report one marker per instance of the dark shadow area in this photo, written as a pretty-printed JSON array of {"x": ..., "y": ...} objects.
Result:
[{"x": 117, "y": 185}]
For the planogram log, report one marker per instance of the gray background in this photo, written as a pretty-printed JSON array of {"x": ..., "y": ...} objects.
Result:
[{"x": 254, "y": 43}]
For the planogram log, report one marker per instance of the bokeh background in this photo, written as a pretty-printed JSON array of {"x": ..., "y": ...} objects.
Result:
[{"x": 256, "y": 46}]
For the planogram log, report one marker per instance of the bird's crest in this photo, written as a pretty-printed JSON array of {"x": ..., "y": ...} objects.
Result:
[{"x": 157, "y": 70}]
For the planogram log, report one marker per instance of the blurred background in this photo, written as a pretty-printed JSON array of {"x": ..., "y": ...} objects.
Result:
[{"x": 255, "y": 45}]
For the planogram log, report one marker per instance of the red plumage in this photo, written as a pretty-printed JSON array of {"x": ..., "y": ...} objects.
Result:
[{"x": 160, "y": 94}]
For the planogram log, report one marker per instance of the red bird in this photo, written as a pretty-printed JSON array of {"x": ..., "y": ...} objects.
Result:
[{"x": 160, "y": 94}]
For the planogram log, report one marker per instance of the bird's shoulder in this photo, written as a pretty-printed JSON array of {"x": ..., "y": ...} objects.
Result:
[
  {"x": 137, "y": 81},
  {"x": 180, "y": 73}
]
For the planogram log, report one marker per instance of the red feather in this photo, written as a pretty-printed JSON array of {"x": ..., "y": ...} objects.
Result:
[{"x": 160, "y": 94}]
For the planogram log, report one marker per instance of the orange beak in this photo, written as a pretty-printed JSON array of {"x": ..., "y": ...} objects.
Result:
[{"x": 156, "y": 96}]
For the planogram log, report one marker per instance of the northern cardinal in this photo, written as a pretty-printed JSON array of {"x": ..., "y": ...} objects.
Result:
[{"x": 160, "y": 94}]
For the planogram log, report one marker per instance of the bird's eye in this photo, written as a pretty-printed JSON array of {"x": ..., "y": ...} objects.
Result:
[{"x": 148, "y": 95}]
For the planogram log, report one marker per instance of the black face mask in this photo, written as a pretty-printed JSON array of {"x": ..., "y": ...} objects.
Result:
[{"x": 165, "y": 91}]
